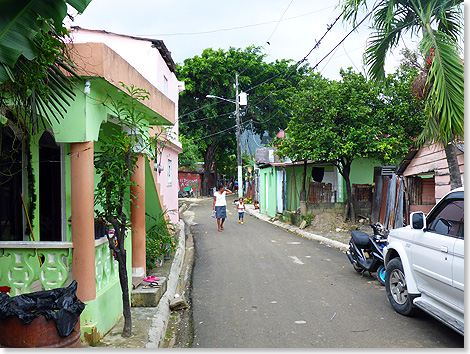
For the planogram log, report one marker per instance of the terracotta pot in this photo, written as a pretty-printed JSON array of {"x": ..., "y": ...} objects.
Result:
[{"x": 39, "y": 333}]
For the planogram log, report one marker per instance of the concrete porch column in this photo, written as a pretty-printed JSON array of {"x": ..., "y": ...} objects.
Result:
[
  {"x": 83, "y": 225},
  {"x": 138, "y": 219}
]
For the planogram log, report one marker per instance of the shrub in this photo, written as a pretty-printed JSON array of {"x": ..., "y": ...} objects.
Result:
[{"x": 160, "y": 239}]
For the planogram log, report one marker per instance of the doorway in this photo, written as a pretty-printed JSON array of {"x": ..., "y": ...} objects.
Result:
[{"x": 50, "y": 202}]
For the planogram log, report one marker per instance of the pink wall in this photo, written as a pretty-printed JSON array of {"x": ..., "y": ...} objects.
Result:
[
  {"x": 432, "y": 160},
  {"x": 169, "y": 183}
]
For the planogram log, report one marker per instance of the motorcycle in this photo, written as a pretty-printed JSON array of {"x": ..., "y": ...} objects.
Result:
[
  {"x": 185, "y": 194},
  {"x": 366, "y": 252}
]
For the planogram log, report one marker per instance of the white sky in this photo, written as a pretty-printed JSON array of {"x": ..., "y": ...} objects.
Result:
[{"x": 188, "y": 27}]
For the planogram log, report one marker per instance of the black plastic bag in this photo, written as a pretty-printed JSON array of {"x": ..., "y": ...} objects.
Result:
[{"x": 60, "y": 304}]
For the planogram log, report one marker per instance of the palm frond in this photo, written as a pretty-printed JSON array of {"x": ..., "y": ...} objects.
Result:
[
  {"x": 446, "y": 76},
  {"x": 385, "y": 38},
  {"x": 449, "y": 16}
]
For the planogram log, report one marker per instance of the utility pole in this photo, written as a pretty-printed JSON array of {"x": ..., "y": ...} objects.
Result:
[{"x": 239, "y": 148}]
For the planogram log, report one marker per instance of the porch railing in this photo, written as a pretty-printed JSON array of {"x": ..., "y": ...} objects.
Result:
[{"x": 28, "y": 266}]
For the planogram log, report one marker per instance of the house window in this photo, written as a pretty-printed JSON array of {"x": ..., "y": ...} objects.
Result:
[
  {"x": 169, "y": 173},
  {"x": 165, "y": 86}
]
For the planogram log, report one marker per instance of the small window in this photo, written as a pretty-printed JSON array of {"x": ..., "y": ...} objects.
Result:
[{"x": 169, "y": 173}]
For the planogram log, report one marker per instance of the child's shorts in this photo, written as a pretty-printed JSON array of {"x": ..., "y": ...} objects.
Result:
[{"x": 240, "y": 214}]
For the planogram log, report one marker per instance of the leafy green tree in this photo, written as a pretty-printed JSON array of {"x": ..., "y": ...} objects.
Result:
[
  {"x": 340, "y": 121},
  {"x": 439, "y": 25},
  {"x": 115, "y": 163},
  {"x": 210, "y": 122},
  {"x": 190, "y": 155}
]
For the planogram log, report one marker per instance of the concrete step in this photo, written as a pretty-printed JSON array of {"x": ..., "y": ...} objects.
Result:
[{"x": 145, "y": 296}]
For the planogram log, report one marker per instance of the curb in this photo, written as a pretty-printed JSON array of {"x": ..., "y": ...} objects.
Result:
[
  {"x": 296, "y": 230},
  {"x": 158, "y": 327}
]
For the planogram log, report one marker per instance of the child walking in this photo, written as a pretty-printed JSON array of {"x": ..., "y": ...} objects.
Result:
[{"x": 241, "y": 210}]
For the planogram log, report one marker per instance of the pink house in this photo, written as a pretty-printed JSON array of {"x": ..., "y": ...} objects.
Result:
[
  {"x": 153, "y": 61},
  {"x": 427, "y": 174}
]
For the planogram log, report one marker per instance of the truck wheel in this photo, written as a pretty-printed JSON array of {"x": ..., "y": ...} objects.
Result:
[{"x": 397, "y": 291}]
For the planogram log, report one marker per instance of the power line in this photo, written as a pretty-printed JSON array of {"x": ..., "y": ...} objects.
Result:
[
  {"x": 278, "y": 22},
  {"x": 317, "y": 44},
  {"x": 199, "y": 120},
  {"x": 230, "y": 28}
]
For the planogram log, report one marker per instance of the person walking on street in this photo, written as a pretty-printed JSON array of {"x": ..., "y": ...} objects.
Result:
[
  {"x": 241, "y": 210},
  {"x": 220, "y": 206}
]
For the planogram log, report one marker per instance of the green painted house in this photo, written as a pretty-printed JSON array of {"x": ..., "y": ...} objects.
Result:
[
  {"x": 280, "y": 184},
  {"x": 47, "y": 218}
]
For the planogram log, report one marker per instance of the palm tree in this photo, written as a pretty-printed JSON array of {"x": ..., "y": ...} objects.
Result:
[{"x": 439, "y": 25}]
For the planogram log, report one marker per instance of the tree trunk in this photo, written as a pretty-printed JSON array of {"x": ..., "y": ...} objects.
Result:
[
  {"x": 303, "y": 192},
  {"x": 123, "y": 279},
  {"x": 452, "y": 162},
  {"x": 345, "y": 171},
  {"x": 208, "y": 161},
  {"x": 120, "y": 251}
]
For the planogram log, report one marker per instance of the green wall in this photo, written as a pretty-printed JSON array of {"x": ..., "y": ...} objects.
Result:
[
  {"x": 362, "y": 171},
  {"x": 152, "y": 202},
  {"x": 294, "y": 179},
  {"x": 267, "y": 192}
]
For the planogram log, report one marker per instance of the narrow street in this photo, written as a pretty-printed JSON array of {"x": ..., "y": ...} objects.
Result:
[{"x": 257, "y": 286}]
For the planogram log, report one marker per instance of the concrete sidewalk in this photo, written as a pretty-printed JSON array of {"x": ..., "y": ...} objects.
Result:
[{"x": 150, "y": 323}]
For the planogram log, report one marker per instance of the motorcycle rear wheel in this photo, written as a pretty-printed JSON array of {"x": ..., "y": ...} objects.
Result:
[{"x": 381, "y": 274}]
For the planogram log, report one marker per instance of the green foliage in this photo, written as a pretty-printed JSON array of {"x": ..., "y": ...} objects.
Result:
[
  {"x": 33, "y": 58},
  {"x": 190, "y": 155},
  {"x": 339, "y": 121},
  {"x": 308, "y": 218},
  {"x": 160, "y": 238},
  {"x": 116, "y": 160},
  {"x": 438, "y": 26},
  {"x": 114, "y": 163},
  {"x": 210, "y": 122}
]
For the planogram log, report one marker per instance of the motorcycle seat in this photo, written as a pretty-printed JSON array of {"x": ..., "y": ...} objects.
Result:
[{"x": 360, "y": 238}]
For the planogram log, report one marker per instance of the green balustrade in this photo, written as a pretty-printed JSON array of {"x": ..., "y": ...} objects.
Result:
[{"x": 107, "y": 271}]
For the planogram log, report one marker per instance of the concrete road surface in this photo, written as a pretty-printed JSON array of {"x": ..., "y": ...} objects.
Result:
[{"x": 258, "y": 286}]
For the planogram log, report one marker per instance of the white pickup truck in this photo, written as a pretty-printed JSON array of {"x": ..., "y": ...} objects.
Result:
[{"x": 425, "y": 263}]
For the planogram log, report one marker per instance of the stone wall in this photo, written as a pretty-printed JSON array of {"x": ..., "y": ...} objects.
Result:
[{"x": 291, "y": 217}]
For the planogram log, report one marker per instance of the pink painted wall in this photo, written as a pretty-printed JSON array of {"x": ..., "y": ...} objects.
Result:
[{"x": 432, "y": 160}]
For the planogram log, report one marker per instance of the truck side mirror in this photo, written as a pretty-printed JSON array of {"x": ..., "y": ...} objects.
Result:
[{"x": 418, "y": 222}]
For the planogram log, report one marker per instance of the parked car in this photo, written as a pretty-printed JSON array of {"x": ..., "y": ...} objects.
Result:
[{"x": 425, "y": 263}]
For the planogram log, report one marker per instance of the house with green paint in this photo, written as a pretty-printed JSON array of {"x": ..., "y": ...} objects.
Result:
[
  {"x": 47, "y": 214},
  {"x": 280, "y": 184}
]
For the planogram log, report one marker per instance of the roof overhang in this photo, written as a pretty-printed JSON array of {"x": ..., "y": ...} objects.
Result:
[{"x": 96, "y": 60}]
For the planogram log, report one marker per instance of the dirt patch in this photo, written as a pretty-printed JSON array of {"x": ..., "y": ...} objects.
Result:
[{"x": 331, "y": 225}]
